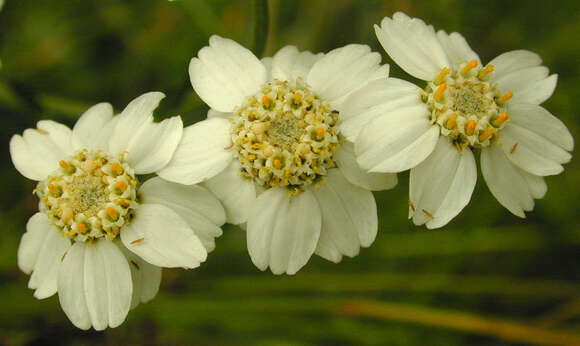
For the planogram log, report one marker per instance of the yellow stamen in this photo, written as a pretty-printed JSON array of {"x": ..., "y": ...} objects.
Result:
[
  {"x": 439, "y": 93},
  {"x": 82, "y": 227},
  {"x": 486, "y": 134},
  {"x": 277, "y": 163},
  {"x": 501, "y": 119},
  {"x": 320, "y": 134},
  {"x": 470, "y": 127},
  {"x": 112, "y": 213},
  {"x": 117, "y": 169},
  {"x": 505, "y": 98},
  {"x": 469, "y": 67},
  {"x": 429, "y": 215},
  {"x": 64, "y": 164},
  {"x": 121, "y": 186},
  {"x": 265, "y": 100},
  {"x": 441, "y": 77},
  {"x": 52, "y": 188},
  {"x": 486, "y": 71},
  {"x": 451, "y": 121}
]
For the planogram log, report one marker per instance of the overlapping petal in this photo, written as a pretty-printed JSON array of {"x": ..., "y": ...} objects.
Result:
[
  {"x": 513, "y": 61},
  {"x": 514, "y": 188},
  {"x": 349, "y": 217},
  {"x": 346, "y": 161},
  {"x": 194, "y": 204},
  {"x": 236, "y": 193},
  {"x": 343, "y": 71},
  {"x": 412, "y": 45},
  {"x": 95, "y": 286},
  {"x": 202, "y": 153},
  {"x": 146, "y": 278},
  {"x": 225, "y": 73},
  {"x": 40, "y": 253},
  {"x": 457, "y": 49},
  {"x": 397, "y": 140},
  {"x": 137, "y": 114},
  {"x": 34, "y": 154},
  {"x": 161, "y": 237},
  {"x": 441, "y": 186},
  {"x": 374, "y": 100},
  {"x": 93, "y": 129},
  {"x": 289, "y": 64},
  {"x": 282, "y": 231}
]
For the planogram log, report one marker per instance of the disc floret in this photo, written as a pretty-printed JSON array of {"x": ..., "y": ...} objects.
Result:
[
  {"x": 467, "y": 107},
  {"x": 90, "y": 196},
  {"x": 284, "y": 136}
]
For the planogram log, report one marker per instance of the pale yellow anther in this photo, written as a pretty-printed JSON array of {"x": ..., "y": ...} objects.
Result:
[
  {"x": 505, "y": 98},
  {"x": 121, "y": 186},
  {"x": 303, "y": 149},
  {"x": 117, "y": 169},
  {"x": 501, "y": 119},
  {"x": 277, "y": 163},
  {"x": 441, "y": 77},
  {"x": 259, "y": 128},
  {"x": 439, "y": 93},
  {"x": 267, "y": 151},
  {"x": 66, "y": 215},
  {"x": 486, "y": 71},
  {"x": 471, "y": 65},
  {"x": 451, "y": 121},
  {"x": 470, "y": 127},
  {"x": 486, "y": 134},
  {"x": 297, "y": 98}
]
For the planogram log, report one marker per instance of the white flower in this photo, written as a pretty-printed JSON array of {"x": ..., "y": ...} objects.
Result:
[
  {"x": 270, "y": 149},
  {"x": 90, "y": 197},
  {"x": 465, "y": 106}
]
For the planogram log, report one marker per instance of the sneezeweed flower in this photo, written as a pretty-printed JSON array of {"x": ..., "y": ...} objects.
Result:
[
  {"x": 272, "y": 151},
  {"x": 465, "y": 106},
  {"x": 100, "y": 238}
]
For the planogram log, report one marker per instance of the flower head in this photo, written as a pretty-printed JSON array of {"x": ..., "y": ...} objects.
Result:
[
  {"x": 272, "y": 151},
  {"x": 101, "y": 237},
  {"x": 465, "y": 106}
]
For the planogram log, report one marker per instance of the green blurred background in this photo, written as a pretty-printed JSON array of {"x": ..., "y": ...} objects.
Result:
[{"x": 486, "y": 278}]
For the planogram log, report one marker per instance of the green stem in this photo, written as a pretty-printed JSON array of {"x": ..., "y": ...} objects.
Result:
[{"x": 261, "y": 22}]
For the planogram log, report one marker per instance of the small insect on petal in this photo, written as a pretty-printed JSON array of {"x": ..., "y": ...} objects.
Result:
[
  {"x": 514, "y": 147},
  {"x": 429, "y": 215},
  {"x": 411, "y": 205},
  {"x": 136, "y": 241}
]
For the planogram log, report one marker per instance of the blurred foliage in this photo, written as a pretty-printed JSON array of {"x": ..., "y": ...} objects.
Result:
[{"x": 488, "y": 277}]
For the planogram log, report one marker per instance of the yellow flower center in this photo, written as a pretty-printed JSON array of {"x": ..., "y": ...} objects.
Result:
[
  {"x": 90, "y": 196},
  {"x": 285, "y": 136},
  {"x": 466, "y": 106}
]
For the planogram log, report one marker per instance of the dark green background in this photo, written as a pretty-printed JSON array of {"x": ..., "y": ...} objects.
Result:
[{"x": 412, "y": 287}]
